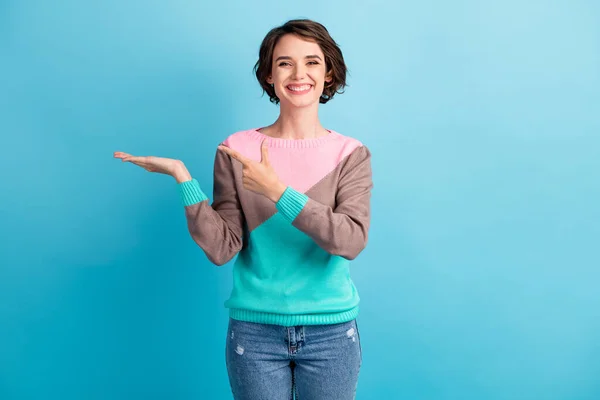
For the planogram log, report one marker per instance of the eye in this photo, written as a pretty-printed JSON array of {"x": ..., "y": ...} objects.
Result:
[
  {"x": 283, "y": 63},
  {"x": 313, "y": 63}
]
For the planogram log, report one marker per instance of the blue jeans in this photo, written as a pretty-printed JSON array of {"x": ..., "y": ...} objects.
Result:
[{"x": 273, "y": 362}]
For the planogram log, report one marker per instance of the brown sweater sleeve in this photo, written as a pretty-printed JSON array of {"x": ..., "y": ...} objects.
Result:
[
  {"x": 342, "y": 230},
  {"x": 216, "y": 228}
]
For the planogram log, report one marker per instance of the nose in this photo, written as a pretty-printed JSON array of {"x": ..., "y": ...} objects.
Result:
[{"x": 299, "y": 72}]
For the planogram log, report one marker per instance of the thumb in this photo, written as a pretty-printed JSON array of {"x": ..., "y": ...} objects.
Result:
[{"x": 264, "y": 151}]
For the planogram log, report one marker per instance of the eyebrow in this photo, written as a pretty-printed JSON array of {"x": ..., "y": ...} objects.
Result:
[{"x": 289, "y": 58}]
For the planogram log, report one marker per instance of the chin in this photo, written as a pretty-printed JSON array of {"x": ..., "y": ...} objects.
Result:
[{"x": 302, "y": 102}]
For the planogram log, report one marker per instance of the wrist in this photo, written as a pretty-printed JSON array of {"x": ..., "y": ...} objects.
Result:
[
  {"x": 277, "y": 192},
  {"x": 181, "y": 174}
]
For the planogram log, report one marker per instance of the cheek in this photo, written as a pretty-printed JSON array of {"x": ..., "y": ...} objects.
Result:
[{"x": 321, "y": 83}]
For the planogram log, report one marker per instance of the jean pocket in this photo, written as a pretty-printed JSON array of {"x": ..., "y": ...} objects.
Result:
[{"x": 358, "y": 337}]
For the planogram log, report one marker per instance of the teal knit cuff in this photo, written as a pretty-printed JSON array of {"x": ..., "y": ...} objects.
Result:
[
  {"x": 191, "y": 193},
  {"x": 291, "y": 203}
]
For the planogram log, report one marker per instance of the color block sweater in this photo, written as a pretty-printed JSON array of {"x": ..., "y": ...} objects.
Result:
[{"x": 293, "y": 255}]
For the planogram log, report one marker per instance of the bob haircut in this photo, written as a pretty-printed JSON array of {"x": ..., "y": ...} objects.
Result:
[{"x": 308, "y": 30}]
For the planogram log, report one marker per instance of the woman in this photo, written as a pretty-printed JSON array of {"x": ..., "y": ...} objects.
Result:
[{"x": 293, "y": 200}]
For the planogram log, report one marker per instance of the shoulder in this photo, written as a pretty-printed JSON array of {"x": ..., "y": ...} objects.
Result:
[
  {"x": 347, "y": 140},
  {"x": 349, "y": 147},
  {"x": 241, "y": 138}
]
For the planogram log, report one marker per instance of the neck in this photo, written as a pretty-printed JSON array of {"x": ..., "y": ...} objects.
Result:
[{"x": 297, "y": 123}]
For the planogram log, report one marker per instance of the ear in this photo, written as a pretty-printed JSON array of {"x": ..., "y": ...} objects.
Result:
[
  {"x": 328, "y": 78},
  {"x": 270, "y": 80}
]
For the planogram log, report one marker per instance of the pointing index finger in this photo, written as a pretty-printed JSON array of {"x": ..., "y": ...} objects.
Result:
[{"x": 234, "y": 154}]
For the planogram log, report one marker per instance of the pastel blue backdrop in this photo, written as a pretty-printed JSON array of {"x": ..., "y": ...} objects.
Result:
[{"x": 481, "y": 279}]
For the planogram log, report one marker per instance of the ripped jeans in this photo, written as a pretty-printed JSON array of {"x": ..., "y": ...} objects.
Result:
[{"x": 312, "y": 362}]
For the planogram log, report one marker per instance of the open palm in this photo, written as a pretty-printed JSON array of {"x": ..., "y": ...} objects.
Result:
[{"x": 161, "y": 165}]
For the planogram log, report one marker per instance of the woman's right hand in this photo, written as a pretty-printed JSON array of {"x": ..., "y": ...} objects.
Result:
[{"x": 161, "y": 165}]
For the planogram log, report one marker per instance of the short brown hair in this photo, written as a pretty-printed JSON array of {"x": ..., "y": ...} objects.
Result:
[{"x": 311, "y": 30}]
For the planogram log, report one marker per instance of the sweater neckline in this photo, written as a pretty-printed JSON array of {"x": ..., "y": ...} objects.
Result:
[{"x": 292, "y": 143}]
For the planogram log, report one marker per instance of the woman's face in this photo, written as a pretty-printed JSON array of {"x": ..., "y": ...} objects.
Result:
[{"x": 298, "y": 71}]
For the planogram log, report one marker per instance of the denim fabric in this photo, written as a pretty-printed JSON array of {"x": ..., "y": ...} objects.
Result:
[{"x": 272, "y": 362}]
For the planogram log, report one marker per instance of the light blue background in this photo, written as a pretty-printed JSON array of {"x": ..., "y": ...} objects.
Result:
[{"x": 481, "y": 279}]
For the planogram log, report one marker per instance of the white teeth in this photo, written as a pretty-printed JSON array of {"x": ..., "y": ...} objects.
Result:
[{"x": 299, "y": 88}]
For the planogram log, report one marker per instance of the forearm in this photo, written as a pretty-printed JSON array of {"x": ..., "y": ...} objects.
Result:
[
  {"x": 216, "y": 228},
  {"x": 340, "y": 232},
  {"x": 341, "y": 229},
  {"x": 217, "y": 233}
]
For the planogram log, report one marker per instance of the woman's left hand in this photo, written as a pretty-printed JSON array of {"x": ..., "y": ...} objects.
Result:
[{"x": 259, "y": 177}]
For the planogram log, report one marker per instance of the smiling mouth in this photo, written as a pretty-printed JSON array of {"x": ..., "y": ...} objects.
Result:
[{"x": 299, "y": 89}]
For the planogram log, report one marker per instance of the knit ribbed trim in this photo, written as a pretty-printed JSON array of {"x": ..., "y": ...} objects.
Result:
[
  {"x": 293, "y": 320},
  {"x": 191, "y": 193},
  {"x": 293, "y": 143},
  {"x": 291, "y": 203}
]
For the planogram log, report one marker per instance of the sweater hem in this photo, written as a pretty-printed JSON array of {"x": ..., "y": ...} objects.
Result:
[{"x": 293, "y": 319}]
